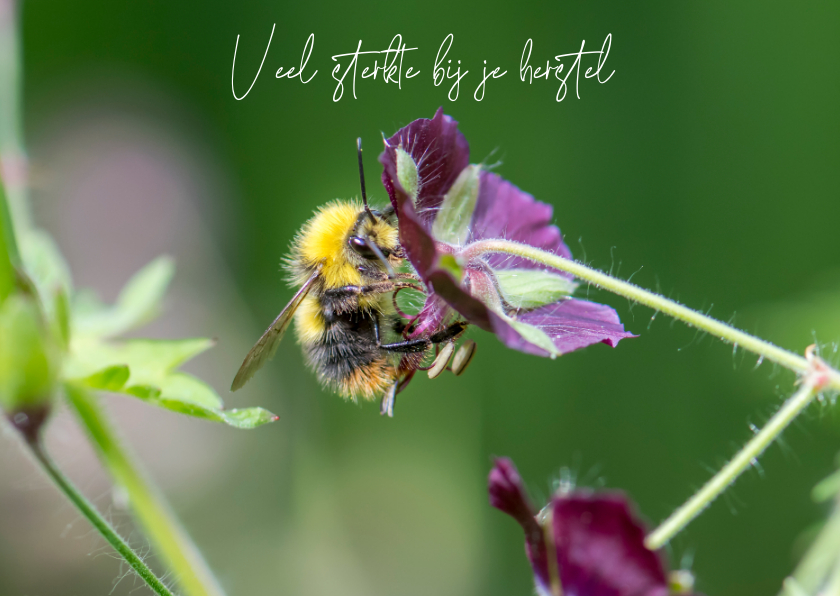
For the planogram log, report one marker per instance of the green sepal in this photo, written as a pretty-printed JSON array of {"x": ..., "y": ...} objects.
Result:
[
  {"x": 526, "y": 289},
  {"x": 407, "y": 173},
  {"x": 451, "y": 265},
  {"x": 534, "y": 335},
  {"x": 452, "y": 223}
]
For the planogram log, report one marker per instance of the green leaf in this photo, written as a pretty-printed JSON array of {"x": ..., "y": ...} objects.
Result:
[
  {"x": 240, "y": 418},
  {"x": 526, "y": 289},
  {"x": 452, "y": 223},
  {"x": 407, "y": 173},
  {"x": 112, "y": 378},
  {"x": 145, "y": 369},
  {"x": 149, "y": 359},
  {"x": 137, "y": 304},
  {"x": 189, "y": 389},
  {"x": 244, "y": 418}
]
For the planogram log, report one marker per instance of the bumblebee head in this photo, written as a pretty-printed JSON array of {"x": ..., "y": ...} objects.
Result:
[
  {"x": 345, "y": 239},
  {"x": 348, "y": 242},
  {"x": 374, "y": 239}
]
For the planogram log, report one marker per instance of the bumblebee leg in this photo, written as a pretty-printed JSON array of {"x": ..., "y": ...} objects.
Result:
[
  {"x": 449, "y": 333},
  {"x": 375, "y": 288},
  {"x": 421, "y": 344},
  {"x": 404, "y": 347},
  {"x": 386, "y": 407}
]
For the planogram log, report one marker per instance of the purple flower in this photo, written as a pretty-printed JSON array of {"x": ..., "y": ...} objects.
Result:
[
  {"x": 583, "y": 543},
  {"x": 444, "y": 207}
]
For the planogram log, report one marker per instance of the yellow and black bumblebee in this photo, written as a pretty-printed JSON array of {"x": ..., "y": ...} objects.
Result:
[{"x": 344, "y": 260}]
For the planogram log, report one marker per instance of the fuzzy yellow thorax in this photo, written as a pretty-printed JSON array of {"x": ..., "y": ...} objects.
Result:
[{"x": 324, "y": 239}]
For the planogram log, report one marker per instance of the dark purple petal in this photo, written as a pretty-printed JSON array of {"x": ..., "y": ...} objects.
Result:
[
  {"x": 440, "y": 152},
  {"x": 508, "y": 495},
  {"x": 600, "y": 548},
  {"x": 571, "y": 324},
  {"x": 504, "y": 211}
]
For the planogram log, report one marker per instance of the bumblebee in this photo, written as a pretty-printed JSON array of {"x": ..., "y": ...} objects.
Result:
[{"x": 344, "y": 261}]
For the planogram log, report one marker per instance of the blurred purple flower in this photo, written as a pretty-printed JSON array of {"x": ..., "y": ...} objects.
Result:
[
  {"x": 583, "y": 543},
  {"x": 444, "y": 206}
]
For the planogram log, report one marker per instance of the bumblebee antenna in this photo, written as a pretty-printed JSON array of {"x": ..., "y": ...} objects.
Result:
[{"x": 362, "y": 180}]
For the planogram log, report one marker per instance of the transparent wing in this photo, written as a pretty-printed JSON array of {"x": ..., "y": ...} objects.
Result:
[{"x": 265, "y": 348}]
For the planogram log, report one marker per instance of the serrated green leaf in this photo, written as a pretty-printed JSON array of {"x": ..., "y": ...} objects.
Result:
[
  {"x": 137, "y": 304},
  {"x": 112, "y": 378},
  {"x": 527, "y": 289},
  {"x": 144, "y": 392},
  {"x": 247, "y": 418},
  {"x": 244, "y": 418},
  {"x": 452, "y": 223},
  {"x": 145, "y": 369},
  {"x": 189, "y": 389},
  {"x": 150, "y": 360},
  {"x": 188, "y": 395}
]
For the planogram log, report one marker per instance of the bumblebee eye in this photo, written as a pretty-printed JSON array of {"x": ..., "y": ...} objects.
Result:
[{"x": 360, "y": 246}]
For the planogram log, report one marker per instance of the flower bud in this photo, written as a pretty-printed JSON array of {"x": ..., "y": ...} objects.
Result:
[{"x": 29, "y": 364}]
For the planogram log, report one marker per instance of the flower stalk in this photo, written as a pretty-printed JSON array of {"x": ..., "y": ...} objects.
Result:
[
  {"x": 167, "y": 536},
  {"x": 95, "y": 518},
  {"x": 765, "y": 349},
  {"x": 736, "y": 466}
]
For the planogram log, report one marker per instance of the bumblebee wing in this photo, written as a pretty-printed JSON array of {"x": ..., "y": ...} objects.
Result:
[{"x": 265, "y": 348}]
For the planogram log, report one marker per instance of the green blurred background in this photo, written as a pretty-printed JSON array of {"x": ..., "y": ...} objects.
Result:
[{"x": 707, "y": 167}]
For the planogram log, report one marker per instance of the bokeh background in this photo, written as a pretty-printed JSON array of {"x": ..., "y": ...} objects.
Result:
[{"x": 707, "y": 168}]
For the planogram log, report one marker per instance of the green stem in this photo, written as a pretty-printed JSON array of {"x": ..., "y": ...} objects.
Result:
[
  {"x": 161, "y": 527},
  {"x": 12, "y": 155},
  {"x": 95, "y": 518},
  {"x": 8, "y": 249},
  {"x": 765, "y": 349},
  {"x": 727, "y": 475},
  {"x": 7, "y": 229}
]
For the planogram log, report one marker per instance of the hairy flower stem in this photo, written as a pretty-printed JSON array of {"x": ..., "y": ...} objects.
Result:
[
  {"x": 161, "y": 527},
  {"x": 765, "y": 349},
  {"x": 741, "y": 462},
  {"x": 95, "y": 518}
]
